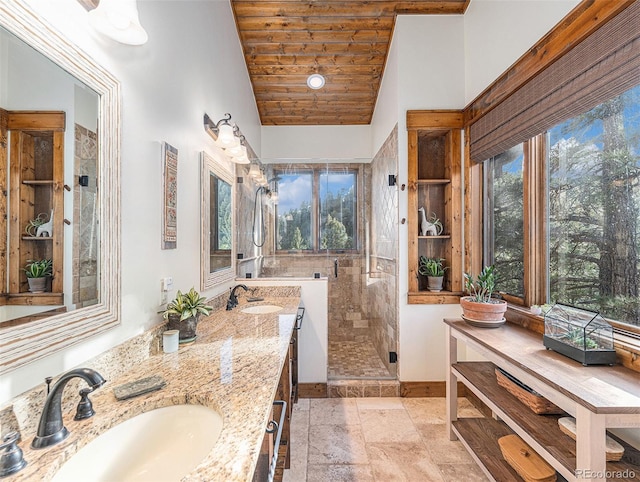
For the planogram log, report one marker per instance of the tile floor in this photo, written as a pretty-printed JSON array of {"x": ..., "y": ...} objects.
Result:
[
  {"x": 377, "y": 439},
  {"x": 355, "y": 359}
]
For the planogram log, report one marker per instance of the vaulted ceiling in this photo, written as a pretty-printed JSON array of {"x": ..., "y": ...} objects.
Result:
[{"x": 346, "y": 41}]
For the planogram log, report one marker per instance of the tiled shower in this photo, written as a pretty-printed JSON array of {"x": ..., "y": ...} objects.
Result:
[{"x": 363, "y": 298}]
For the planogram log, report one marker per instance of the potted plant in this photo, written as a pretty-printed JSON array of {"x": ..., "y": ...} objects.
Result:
[
  {"x": 433, "y": 269},
  {"x": 184, "y": 312},
  {"x": 39, "y": 274},
  {"x": 479, "y": 307}
]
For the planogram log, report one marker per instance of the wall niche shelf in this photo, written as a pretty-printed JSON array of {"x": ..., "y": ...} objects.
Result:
[
  {"x": 434, "y": 171},
  {"x": 36, "y": 177}
]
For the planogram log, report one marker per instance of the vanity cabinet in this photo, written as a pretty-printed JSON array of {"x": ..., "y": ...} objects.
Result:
[
  {"x": 598, "y": 397},
  {"x": 286, "y": 395},
  {"x": 36, "y": 187},
  {"x": 434, "y": 183}
]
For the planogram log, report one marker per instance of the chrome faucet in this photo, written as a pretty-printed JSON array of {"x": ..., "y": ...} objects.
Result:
[
  {"x": 232, "y": 302},
  {"x": 51, "y": 429}
]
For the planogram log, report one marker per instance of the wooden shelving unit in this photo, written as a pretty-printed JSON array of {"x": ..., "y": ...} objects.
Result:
[
  {"x": 526, "y": 357},
  {"x": 36, "y": 180},
  {"x": 434, "y": 171}
]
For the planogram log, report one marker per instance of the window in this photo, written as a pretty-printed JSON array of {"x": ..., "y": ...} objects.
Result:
[
  {"x": 594, "y": 209},
  {"x": 505, "y": 220},
  {"x": 317, "y": 209},
  {"x": 590, "y": 229},
  {"x": 337, "y": 210}
]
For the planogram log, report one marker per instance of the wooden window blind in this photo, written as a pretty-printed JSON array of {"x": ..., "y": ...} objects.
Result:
[{"x": 604, "y": 65}]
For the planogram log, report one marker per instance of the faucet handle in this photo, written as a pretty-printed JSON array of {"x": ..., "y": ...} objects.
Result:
[
  {"x": 11, "y": 460},
  {"x": 85, "y": 408}
]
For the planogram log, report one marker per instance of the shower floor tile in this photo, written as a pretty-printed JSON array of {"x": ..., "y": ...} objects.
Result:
[{"x": 355, "y": 359}]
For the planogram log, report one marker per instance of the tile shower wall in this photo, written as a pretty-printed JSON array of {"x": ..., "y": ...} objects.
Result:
[
  {"x": 380, "y": 292},
  {"x": 85, "y": 236}
]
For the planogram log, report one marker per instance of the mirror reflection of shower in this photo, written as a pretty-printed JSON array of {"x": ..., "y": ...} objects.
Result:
[{"x": 264, "y": 192}]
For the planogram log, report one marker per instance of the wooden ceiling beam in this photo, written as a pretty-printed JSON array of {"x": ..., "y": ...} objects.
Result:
[
  {"x": 359, "y": 97},
  {"x": 327, "y": 24},
  {"x": 315, "y": 59},
  {"x": 319, "y": 120},
  {"x": 366, "y": 36},
  {"x": 316, "y": 8},
  {"x": 317, "y": 48},
  {"x": 374, "y": 71}
]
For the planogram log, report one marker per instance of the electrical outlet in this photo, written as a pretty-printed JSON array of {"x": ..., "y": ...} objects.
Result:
[{"x": 166, "y": 285}]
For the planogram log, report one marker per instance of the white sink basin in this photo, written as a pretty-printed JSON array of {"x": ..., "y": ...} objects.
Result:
[
  {"x": 261, "y": 309},
  {"x": 164, "y": 444}
]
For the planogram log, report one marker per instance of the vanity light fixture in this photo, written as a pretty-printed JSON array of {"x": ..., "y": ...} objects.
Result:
[
  {"x": 315, "y": 81},
  {"x": 228, "y": 137},
  {"x": 119, "y": 20}
]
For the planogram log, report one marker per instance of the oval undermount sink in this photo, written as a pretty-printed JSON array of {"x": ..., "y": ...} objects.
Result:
[
  {"x": 164, "y": 444},
  {"x": 261, "y": 309}
]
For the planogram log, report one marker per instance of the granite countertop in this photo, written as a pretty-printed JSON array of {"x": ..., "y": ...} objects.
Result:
[{"x": 233, "y": 367}]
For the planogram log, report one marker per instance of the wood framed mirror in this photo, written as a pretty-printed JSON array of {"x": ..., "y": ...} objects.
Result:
[{"x": 28, "y": 338}]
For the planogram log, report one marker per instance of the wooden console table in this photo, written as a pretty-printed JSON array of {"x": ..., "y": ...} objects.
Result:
[{"x": 598, "y": 397}]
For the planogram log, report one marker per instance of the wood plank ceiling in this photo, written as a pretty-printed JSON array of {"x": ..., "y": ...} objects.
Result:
[{"x": 284, "y": 41}]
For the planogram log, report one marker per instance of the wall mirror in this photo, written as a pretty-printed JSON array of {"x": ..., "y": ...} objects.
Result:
[
  {"x": 73, "y": 151},
  {"x": 217, "y": 256}
]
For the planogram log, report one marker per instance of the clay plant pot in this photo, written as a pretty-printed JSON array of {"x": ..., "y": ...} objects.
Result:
[
  {"x": 186, "y": 327},
  {"x": 483, "y": 312},
  {"x": 434, "y": 283},
  {"x": 39, "y": 285}
]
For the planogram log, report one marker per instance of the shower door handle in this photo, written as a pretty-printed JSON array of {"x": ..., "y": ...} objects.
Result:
[{"x": 335, "y": 267}]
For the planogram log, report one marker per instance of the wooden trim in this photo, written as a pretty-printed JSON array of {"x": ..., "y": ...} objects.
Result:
[
  {"x": 313, "y": 390},
  {"x": 36, "y": 120},
  {"x": 581, "y": 22},
  {"x": 535, "y": 221},
  {"x": 4, "y": 139},
  {"x": 435, "y": 119},
  {"x": 431, "y": 389},
  {"x": 426, "y": 297},
  {"x": 473, "y": 201},
  {"x": 412, "y": 219},
  {"x": 453, "y": 204}
]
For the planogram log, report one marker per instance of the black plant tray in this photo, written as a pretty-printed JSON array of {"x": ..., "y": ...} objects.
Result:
[{"x": 588, "y": 357}]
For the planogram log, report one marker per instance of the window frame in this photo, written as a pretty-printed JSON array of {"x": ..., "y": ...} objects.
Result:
[
  {"x": 536, "y": 233},
  {"x": 316, "y": 171}
]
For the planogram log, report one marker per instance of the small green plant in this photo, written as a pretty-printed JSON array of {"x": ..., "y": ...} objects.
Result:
[
  {"x": 431, "y": 266},
  {"x": 32, "y": 227},
  {"x": 481, "y": 288},
  {"x": 187, "y": 305},
  {"x": 38, "y": 268},
  {"x": 577, "y": 338},
  {"x": 433, "y": 219}
]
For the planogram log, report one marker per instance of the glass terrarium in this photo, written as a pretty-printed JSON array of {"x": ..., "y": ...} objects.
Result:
[{"x": 579, "y": 334}]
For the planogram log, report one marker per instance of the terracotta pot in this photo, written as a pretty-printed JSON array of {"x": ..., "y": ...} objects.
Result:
[
  {"x": 39, "y": 285},
  {"x": 434, "y": 283},
  {"x": 473, "y": 310},
  {"x": 187, "y": 328}
]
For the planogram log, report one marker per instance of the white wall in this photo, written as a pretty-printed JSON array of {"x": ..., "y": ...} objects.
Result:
[
  {"x": 431, "y": 62},
  {"x": 387, "y": 112},
  {"x": 192, "y": 64},
  {"x": 313, "y": 341},
  {"x": 320, "y": 143},
  {"x": 499, "y": 32}
]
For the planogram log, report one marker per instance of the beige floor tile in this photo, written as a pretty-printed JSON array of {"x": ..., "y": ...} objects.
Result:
[
  {"x": 443, "y": 450},
  {"x": 408, "y": 462},
  {"x": 388, "y": 426},
  {"x": 466, "y": 409},
  {"x": 339, "y": 473},
  {"x": 425, "y": 410},
  {"x": 336, "y": 444},
  {"x": 379, "y": 404},
  {"x": 302, "y": 405},
  {"x": 462, "y": 473},
  {"x": 333, "y": 411}
]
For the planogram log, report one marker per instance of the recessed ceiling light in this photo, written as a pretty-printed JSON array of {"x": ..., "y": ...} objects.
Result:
[{"x": 315, "y": 81}]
